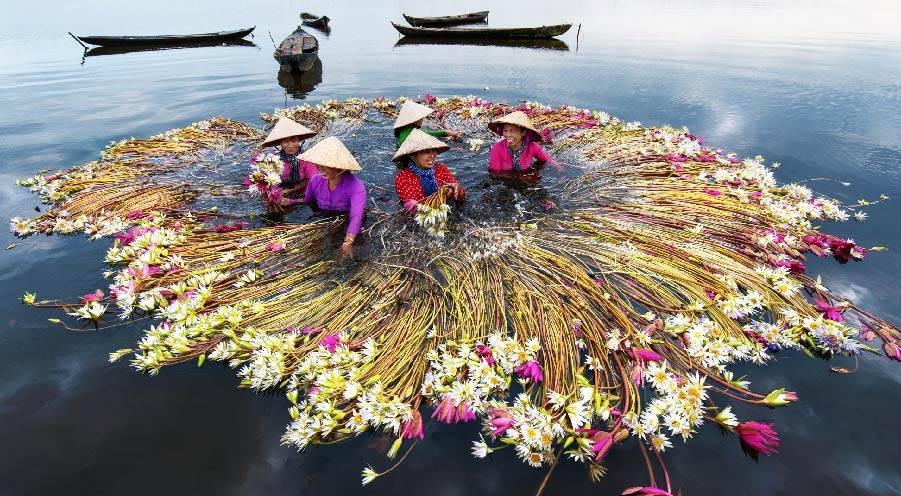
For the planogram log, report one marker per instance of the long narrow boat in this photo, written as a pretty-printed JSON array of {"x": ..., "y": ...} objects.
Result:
[
  {"x": 118, "y": 50},
  {"x": 315, "y": 21},
  {"x": 536, "y": 43},
  {"x": 454, "y": 20},
  {"x": 167, "y": 39},
  {"x": 485, "y": 33},
  {"x": 297, "y": 52}
]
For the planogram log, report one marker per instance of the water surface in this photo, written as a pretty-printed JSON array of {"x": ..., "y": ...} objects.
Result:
[{"x": 813, "y": 85}]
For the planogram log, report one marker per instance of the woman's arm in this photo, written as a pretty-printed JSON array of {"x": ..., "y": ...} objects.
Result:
[
  {"x": 357, "y": 208},
  {"x": 541, "y": 158}
]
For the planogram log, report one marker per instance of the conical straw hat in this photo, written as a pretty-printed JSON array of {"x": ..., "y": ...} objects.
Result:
[
  {"x": 518, "y": 118},
  {"x": 411, "y": 112},
  {"x": 330, "y": 152},
  {"x": 418, "y": 141},
  {"x": 285, "y": 128}
]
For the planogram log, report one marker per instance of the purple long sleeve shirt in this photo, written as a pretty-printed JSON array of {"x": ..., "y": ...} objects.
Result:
[{"x": 348, "y": 197}]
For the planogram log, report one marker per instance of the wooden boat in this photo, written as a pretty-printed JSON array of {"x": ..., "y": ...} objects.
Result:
[
  {"x": 298, "y": 51},
  {"x": 454, "y": 20},
  {"x": 117, "y": 50},
  {"x": 315, "y": 21},
  {"x": 539, "y": 44},
  {"x": 168, "y": 39},
  {"x": 485, "y": 33}
]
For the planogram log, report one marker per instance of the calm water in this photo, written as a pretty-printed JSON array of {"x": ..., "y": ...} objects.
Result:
[{"x": 815, "y": 86}]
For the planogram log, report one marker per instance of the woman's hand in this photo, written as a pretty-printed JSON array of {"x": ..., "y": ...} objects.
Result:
[
  {"x": 347, "y": 247},
  {"x": 454, "y": 135},
  {"x": 455, "y": 190}
]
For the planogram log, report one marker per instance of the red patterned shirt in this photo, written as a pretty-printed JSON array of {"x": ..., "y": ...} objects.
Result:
[{"x": 408, "y": 187}]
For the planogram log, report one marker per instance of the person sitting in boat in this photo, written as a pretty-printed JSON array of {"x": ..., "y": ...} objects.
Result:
[
  {"x": 335, "y": 190},
  {"x": 421, "y": 175},
  {"x": 518, "y": 154},
  {"x": 410, "y": 117},
  {"x": 287, "y": 135}
]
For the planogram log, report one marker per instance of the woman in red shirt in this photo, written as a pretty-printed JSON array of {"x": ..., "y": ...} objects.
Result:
[{"x": 423, "y": 175}]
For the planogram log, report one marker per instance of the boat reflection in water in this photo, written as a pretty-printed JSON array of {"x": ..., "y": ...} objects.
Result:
[
  {"x": 116, "y": 50},
  {"x": 541, "y": 44},
  {"x": 298, "y": 83}
]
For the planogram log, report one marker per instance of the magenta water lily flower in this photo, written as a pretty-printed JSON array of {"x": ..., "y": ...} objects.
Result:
[
  {"x": 484, "y": 353},
  {"x": 830, "y": 312},
  {"x": 892, "y": 350},
  {"x": 450, "y": 413},
  {"x": 603, "y": 440},
  {"x": 413, "y": 427},
  {"x": 224, "y": 228},
  {"x": 500, "y": 421},
  {"x": 793, "y": 266},
  {"x": 95, "y": 296},
  {"x": 530, "y": 371},
  {"x": 646, "y": 491},
  {"x": 651, "y": 356},
  {"x": 275, "y": 246},
  {"x": 757, "y": 438},
  {"x": 330, "y": 342}
]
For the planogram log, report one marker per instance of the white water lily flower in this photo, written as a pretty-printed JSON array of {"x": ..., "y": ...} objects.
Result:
[
  {"x": 369, "y": 475},
  {"x": 480, "y": 449}
]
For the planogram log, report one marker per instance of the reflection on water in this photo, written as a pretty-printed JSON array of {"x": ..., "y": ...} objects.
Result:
[
  {"x": 544, "y": 44},
  {"x": 299, "y": 83},
  {"x": 813, "y": 85}
]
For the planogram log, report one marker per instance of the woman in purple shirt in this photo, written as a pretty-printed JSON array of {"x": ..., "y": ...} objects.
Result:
[{"x": 335, "y": 189}]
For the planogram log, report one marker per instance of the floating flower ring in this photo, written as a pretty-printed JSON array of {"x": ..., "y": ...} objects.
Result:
[{"x": 563, "y": 333}]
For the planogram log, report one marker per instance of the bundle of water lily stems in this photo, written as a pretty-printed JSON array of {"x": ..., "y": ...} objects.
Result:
[{"x": 615, "y": 316}]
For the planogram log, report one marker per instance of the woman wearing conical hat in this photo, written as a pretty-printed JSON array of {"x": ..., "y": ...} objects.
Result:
[
  {"x": 286, "y": 135},
  {"x": 335, "y": 189},
  {"x": 518, "y": 153},
  {"x": 410, "y": 117},
  {"x": 423, "y": 174}
]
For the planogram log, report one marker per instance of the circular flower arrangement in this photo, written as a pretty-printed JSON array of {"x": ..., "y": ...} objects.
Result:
[{"x": 561, "y": 333}]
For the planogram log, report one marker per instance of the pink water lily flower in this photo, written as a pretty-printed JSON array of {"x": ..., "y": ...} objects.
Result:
[
  {"x": 330, "y": 342},
  {"x": 530, "y": 371},
  {"x": 793, "y": 266},
  {"x": 651, "y": 356},
  {"x": 892, "y": 350},
  {"x": 135, "y": 214},
  {"x": 830, "y": 312},
  {"x": 123, "y": 290},
  {"x": 450, "y": 413},
  {"x": 275, "y": 246},
  {"x": 603, "y": 440},
  {"x": 646, "y": 491},
  {"x": 712, "y": 191},
  {"x": 95, "y": 296},
  {"x": 224, "y": 228},
  {"x": 757, "y": 438},
  {"x": 500, "y": 421},
  {"x": 413, "y": 427},
  {"x": 484, "y": 353}
]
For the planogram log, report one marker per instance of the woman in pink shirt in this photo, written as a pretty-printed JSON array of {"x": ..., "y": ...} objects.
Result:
[
  {"x": 288, "y": 134},
  {"x": 518, "y": 154}
]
